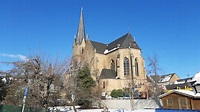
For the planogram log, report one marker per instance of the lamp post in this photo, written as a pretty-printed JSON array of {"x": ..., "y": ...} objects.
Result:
[
  {"x": 132, "y": 82},
  {"x": 24, "y": 99}
]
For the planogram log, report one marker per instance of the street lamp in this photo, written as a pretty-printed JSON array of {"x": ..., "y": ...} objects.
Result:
[
  {"x": 24, "y": 99},
  {"x": 132, "y": 82}
]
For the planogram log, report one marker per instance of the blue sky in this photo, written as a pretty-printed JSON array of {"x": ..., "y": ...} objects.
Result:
[{"x": 168, "y": 28}]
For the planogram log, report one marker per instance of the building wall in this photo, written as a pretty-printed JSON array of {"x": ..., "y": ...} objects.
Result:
[
  {"x": 195, "y": 104},
  {"x": 111, "y": 84},
  {"x": 174, "y": 78},
  {"x": 126, "y": 104}
]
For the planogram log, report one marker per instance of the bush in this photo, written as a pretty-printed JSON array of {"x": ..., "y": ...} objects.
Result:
[
  {"x": 116, "y": 93},
  {"x": 85, "y": 104}
]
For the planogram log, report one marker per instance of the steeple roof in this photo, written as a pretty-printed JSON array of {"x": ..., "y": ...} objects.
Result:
[{"x": 81, "y": 29}]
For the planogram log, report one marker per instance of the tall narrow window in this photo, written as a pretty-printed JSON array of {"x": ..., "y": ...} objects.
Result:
[
  {"x": 112, "y": 65},
  {"x": 104, "y": 85},
  {"x": 126, "y": 66},
  {"x": 136, "y": 67}
]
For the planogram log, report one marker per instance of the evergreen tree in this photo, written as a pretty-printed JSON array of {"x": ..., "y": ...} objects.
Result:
[{"x": 2, "y": 89}]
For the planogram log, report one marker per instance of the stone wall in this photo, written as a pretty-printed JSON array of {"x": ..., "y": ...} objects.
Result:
[{"x": 126, "y": 104}]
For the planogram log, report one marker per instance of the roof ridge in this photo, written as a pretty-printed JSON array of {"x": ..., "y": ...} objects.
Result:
[
  {"x": 123, "y": 36},
  {"x": 98, "y": 42}
]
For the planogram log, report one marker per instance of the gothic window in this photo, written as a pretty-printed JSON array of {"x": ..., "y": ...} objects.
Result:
[
  {"x": 136, "y": 67},
  {"x": 126, "y": 66},
  {"x": 112, "y": 65}
]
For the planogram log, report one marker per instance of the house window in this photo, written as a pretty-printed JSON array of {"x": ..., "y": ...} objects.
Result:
[
  {"x": 169, "y": 102},
  {"x": 182, "y": 103},
  {"x": 104, "y": 85},
  {"x": 126, "y": 66},
  {"x": 112, "y": 65},
  {"x": 136, "y": 67}
]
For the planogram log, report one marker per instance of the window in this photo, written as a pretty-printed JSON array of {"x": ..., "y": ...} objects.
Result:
[
  {"x": 104, "y": 85},
  {"x": 169, "y": 102},
  {"x": 182, "y": 103},
  {"x": 136, "y": 67},
  {"x": 126, "y": 66},
  {"x": 112, "y": 65},
  {"x": 117, "y": 61}
]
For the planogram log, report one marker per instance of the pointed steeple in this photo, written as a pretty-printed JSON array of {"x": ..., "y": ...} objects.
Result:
[{"x": 81, "y": 29}]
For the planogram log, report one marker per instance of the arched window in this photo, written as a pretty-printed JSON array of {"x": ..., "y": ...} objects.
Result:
[
  {"x": 136, "y": 67},
  {"x": 112, "y": 65},
  {"x": 126, "y": 66}
]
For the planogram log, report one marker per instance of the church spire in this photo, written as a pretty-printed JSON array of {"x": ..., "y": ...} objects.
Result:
[{"x": 81, "y": 29}]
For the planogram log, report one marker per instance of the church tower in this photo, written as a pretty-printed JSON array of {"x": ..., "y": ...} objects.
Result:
[{"x": 80, "y": 38}]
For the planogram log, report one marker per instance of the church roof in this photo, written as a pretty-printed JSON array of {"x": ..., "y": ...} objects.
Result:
[
  {"x": 108, "y": 74},
  {"x": 124, "y": 41},
  {"x": 100, "y": 47}
]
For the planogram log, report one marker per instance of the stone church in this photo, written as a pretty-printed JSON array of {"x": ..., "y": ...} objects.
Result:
[{"x": 115, "y": 65}]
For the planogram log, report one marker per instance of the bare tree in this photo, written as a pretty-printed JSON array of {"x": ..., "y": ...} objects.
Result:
[
  {"x": 44, "y": 79},
  {"x": 153, "y": 70}
]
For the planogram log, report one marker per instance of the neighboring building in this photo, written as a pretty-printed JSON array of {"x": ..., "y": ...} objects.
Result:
[
  {"x": 163, "y": 80},
  {"x": 183, "y": 99},
  {"x": 115, "y": 65},
  {"x": 168, "y": 78},
  {"x": 180, "y": 84}
]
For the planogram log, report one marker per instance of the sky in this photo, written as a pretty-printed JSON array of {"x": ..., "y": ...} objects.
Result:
[{"x": 169, "y": 29}]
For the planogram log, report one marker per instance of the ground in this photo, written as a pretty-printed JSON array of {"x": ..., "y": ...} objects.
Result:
[{"x": 62, "y": 109}]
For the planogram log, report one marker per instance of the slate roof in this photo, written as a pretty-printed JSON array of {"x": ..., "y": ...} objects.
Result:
[
  {"x": 100, "y": 47},
  {"x": 174, "y": 86},
  {"x": 124, "y": 41},
  {"x": 154, "y": 78},
  {"x": 81, "y": 30},
  {"x": 166, "y": 78},
  {"x": 108, "y": 74},
  {"x": 185, "y": 79},
  {"x": 162, "y": 78}
]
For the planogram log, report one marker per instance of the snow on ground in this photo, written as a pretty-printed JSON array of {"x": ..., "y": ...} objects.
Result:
[
  {"x": 139, "y": 110},
  {"x": 121, "y": 110},
  {"x": 67, "y": 109}
]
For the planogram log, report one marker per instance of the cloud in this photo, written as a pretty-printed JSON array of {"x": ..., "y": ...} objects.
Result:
[{"x": 19, "y": 56}]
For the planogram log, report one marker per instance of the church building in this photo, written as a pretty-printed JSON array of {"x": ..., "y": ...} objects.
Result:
[{"x": 114, "y": 65}]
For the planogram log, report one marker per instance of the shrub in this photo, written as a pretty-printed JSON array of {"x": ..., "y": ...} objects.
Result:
[{"x": 116, "y": 93}]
